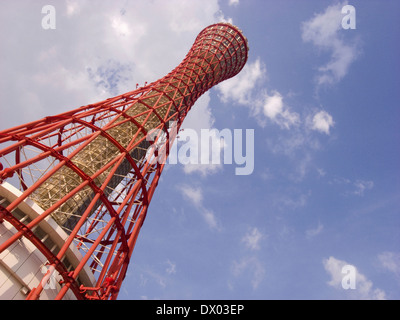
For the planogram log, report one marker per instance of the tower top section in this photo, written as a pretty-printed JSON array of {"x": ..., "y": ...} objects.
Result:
[
  {"x": 219, "y": 52},
  {"x": 229, "y": 45}
]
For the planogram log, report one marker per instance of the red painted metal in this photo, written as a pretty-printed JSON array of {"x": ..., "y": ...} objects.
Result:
[{"x": 111, "y": 213}]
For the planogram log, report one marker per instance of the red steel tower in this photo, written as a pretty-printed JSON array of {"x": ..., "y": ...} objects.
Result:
[{"x": 75, "y": 188}]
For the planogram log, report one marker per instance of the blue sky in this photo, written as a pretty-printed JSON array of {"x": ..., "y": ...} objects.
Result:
[{"x": 322, "y": 100}]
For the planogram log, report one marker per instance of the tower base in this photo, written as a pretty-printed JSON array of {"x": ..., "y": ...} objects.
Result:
[{"x": 22, "y": 265}]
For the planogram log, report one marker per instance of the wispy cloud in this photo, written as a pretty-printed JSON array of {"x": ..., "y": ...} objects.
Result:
[
  {"x": 355, "y": 187},
  {"x": 322, "y": 122},
  {"x": 200, "y": 117},
  {"x": 361, "y": 186},
  {"x": 253, "y": 238},
  {"x": 72, "y": 7},
  {"x": 249, "y": 267},
  {"x": 364, "y": 289},
  {"x": 324, "y": 32},
  {"x": 312, "y": 232},
  {"x": 195, "y": 195},
  {"x": 149, "y": 276},
  {"x": 233, "y": 2},
  {"x": 240, "y": 88},
  {"x": 391, "y": 262},
  {"x": 275, "y": 110},
  {"x": 244, "y": 89},
  {"x": 171, "y": 269}
]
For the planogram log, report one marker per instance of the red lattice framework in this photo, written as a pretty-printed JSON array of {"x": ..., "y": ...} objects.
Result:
[{"x": 93, "y": 169}]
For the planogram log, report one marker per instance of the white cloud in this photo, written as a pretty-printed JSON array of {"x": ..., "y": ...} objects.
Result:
[
  {"x": 72, "y": 7},
  {"x": 242, "y": 89},
  {"x": 323, "y": 30},
  {"x": 220, "y": 17},
  {"x": 239, "y": 88},
  {"x": 233, "y": 2},
  {"x": 121, "y": 27},
  {"x": 275, "y": 110},
  {"x": 273, "y": 105},
  {"x": 390, "y": 261},
  {"x": 210, "y": 219},
  {"x": 192, "y": 16},
  {"x": 364, "y": 288},
  {"x": 322, "y": 122},
  {"x": 200, "y": 117},
  {"x": 252, "y": 239},
  {"x": 195, "y": 195},
  {"x": 74, "y": 65}
]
